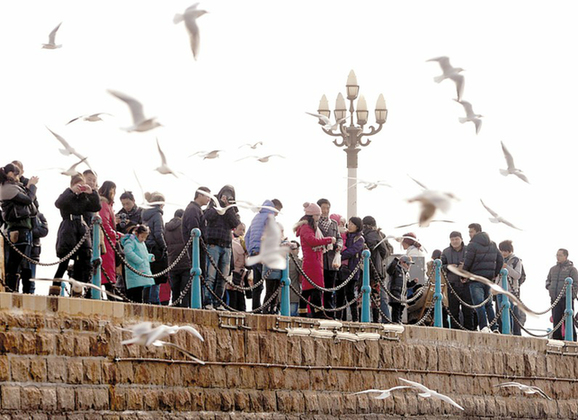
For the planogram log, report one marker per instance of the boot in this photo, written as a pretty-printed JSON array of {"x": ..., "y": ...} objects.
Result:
[{"x": 54, "y": 291}]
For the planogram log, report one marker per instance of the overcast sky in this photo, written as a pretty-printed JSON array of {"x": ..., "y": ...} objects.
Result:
[{"x": 262, "y": 64}]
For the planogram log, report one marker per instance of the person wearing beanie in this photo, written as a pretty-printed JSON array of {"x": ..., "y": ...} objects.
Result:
[
  {"x": 312, "y": 244},
  {"x": 380, "y": 249}
]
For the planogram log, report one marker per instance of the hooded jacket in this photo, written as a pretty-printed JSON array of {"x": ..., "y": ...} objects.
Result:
[
  {"x": 557, "y": 276},
  {"x": 312, "y": 249},
  {"x": 255, "y": 232},
  {"x": 155, "y": 242},
  {"x": 451, "y": 256},
  {"x": 18, "y": 204},
  {"x": 192, "y": 218},
  {"x": 218, "y": 227},
  {"x": 378, "y": 254},
  {"x": 483, "y": 257},
  {"x": 352, "y": 253},
  {"x": 175, "y": 244},
  {"x": 138, "y": 257}
]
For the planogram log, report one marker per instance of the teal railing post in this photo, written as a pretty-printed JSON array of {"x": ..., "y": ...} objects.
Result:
[
  {"x": 285, "y": 293},
  {"x": 365, "y": 290},
  {"x": 196, "y": 271},
  {"x": 438, "y": 294},
  {"x": 569, "y": 313},
  {"x": 506, "y": 326},
  {"x": 96, "y": 260}
]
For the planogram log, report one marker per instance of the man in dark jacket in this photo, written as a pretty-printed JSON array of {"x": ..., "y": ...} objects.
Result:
[
  {"x": 192, "y": 218},
  {"x": 180, "y": 274},
  {"x": 484, "y": 259},
  {"x": 218, "y": 236},
  {"x": 555, "y": 283},
  {"x": 454, "y": 255}
]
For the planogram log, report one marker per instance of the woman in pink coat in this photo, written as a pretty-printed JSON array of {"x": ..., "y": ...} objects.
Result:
[
  {"x": 312, "y": 242},
  {"x": 107, "y": 192}
]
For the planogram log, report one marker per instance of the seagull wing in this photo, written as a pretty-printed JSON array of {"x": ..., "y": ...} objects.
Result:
[
  {"x": 163, "y": 157},
  {"x": 478, "y": 123},
  {"x": 73, "y": 167},
  {"x": 135, "y": 106},
  {"x": 508, "y": 156},
  {"x": 492, "y": 212},
  {"x": 418, "y": 183},
  {"x": 52, "y": 35},
  {"x": 522, "y": 176},
  {"x": 460, "y": 82},
  {"x": 444, "y": 63},
  {"x": 192, "y": 330},
  {"x": 467, "y": 107},
  {"x": 182, "y": 350},
  {"x": 67, "y": 146},
  {"x": 141, "y": 328},
  {"x": 416, "y": 385},
  {"x": 74, "y": 119},
  {"x": 507, "y": 223},
  {"x": 247, "y": 157},
  {"x": 193, "y": 29},
  {"x": 321, "y": 117},
  {"x": 156, "y": 334},
  {"x": 509, "y": 384},
  {"x": 447, "y": 399}
]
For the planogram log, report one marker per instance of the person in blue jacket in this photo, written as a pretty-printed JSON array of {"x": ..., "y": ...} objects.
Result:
[{"x": 138, "y": 256}]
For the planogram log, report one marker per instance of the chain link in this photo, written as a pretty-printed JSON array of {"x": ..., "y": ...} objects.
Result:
[
  {"x": 377, "y": 304},
  {"x": 427, "y": 314},
  {"x": 463, "y": 302},
  {"x": 386, "y": 289},
  {"x": 323, "y": 309},
  {"x": 454, "y": 320},
  {"x": 65, "y": 258},
  {"x": 331, "y": 289}
]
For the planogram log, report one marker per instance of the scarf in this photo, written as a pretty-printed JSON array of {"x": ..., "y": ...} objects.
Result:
[{"x": 324, "y": 223}]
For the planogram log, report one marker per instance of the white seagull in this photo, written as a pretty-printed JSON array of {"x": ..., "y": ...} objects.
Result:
[
  {"x": 427, "y": 393},
  {"x": 263, "y": 159},
  {"x": 80, "y": 287},
  {"x": 527, "y": 389},
  {"x": 52, "y": 39},
  {"x": 470, "y": 115},
  {"x": 164, "y": 168},
  {"x": 190, "y": 18},
  {"x": 494, "y": 288},
  {"x": 450, "y": 72},
  {"x": 220, "y": 209},
  {"x": 327, "y": 122},
  {"x": 89, "y": 118},
  {"x": 145, "y": 335},
  {"x": 254, "y": 207},
  {"x": 497, "y": 218},
  {"x": 371, "y": 185},
  {"x": 512, "y": 170},
  {"x": 431, "y": 201},
  {"x": 383, "y": 393},
  {"x": 140, "y": 122},
  {"x": 417, "y": 223},
  {"x": 213, "y": 154},
  {"x": 252, "y": 146},
  {"x": 272, "y": 254},
  {"x": 68, "y": 149}
]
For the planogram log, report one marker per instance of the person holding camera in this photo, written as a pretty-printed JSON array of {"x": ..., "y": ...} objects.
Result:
[
  {"x": 398, "y": 270},
  {"x": 130, "y": 215}
]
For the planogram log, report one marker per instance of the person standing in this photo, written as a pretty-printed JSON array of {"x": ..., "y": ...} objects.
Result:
[
  {"x": 295, "y": 264},
  {"x": 180, "y": 274},
  {"x": 138, "y": 256},
  {"x": 398, "y": 270},
  {"x": 156, "y": 244},
  {"x": 237, "y": 297},
  {"x": 107, "y": 193},
  {"x": 454, "y": 255},
  {"x": 329, "y": 228},
  {"x": 312, "y": 243},
  {"x": 193, "y": 218},
  {"x": 482, "y": 258},
  {"x": 130, "y": 215},
  {"x": 555, "y": 283},
  {"x": 516, "y": 277}
]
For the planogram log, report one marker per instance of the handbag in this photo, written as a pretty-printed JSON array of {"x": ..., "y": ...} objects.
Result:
[{"x": 344, "y": 273}]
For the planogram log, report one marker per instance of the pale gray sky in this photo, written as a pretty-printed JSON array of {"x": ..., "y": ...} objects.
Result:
[{"x": 263, "y": 64}]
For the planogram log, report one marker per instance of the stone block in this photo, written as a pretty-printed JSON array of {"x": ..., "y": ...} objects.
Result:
[
  {"x": 31, "y": 398},
  {"x": 4, "y": 369},
  {"x": 269, "y": 401},
  {"x": 294, "y": 352},
  {"x": 99, "y": 346},
  {"x": 125, "y": 373},
  {"x": 84, "y": 398},
  {"x": 11, "y": 399},
  {"x": 183, "y": 400},
  {"x": 316, "y": 380},
  {"x": 10, "y": 342},
  {"x": 261, "y": 378},
  {"x": 38, "y": 372},
  {"x": 418, "y": 357},
  {"x": 134, "y": 399},
  {"x": 118, "y": 398},
  {"x": 20, "y": 368},
  {"x": 277, "y": 378},
  {"x": 65, "y": 399},
  {"x": 197, "y": 399},
  {"x": 49, "y": 402},
  {"x": 307, "y": 351},
  {"x": 151, "y": 399},
  {"x": 82, "y": 345},
  {"x": 75, "y": 371},
  {"x": 45, "y": 343},
  {"x": 92, "y": 371},
  {"x": 65, "y": 344},
  {"x": 224, "y": 344}
]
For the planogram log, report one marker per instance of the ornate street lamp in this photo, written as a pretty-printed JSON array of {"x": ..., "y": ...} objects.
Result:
[{"x": 351, "y": 136}]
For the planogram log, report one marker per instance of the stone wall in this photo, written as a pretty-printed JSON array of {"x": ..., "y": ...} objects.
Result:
[{"x": 61, "y": 358}]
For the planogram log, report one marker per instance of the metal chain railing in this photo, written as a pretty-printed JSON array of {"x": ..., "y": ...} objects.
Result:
[
  {"x": 531, "y": 333},
  {"x": 322, "y": 308},
  {"x": 427, "y": 313},
  {"x": 454, "y": 320},
  {"x": 377, "y": 304},
  {"x": 386, "y": 289},
  {"x": 496, "y": 317},
  {"x": 148, "y": 276},
  {"x": 328, "y": 289},
  {"x": 231, "y": 284},
  {"x": 463, "y": 302},
  {"x": 65, "y": 258}
]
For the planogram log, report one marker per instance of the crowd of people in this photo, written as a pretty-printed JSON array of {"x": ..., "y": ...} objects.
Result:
[{"x": 150, "y": 261}]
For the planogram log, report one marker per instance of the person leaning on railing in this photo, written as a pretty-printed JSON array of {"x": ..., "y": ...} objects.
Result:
[{"x": 555, "y": 282}]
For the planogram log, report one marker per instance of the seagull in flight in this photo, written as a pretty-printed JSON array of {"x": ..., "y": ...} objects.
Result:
[
  {"x": 383, "y": 393},
  {"x": 417, "y": 223},
  {"x": 431, "y": 201},
  {"x": 327, "y": 122},
  {"x": 263, "y": 159},
  {"x": 450, "y": 72},
  {"x": 190, "y": 18},
  {"x": 140, "y": 122},
  {"x": 220, "y": 210},
  {"x": 164, "y": 168},
  {"x": 497, "y": 218},
  {"x": 371, "y": 185},
  {"x": 470, "y": 115},
  {"x": 512, "y": 170},
  {"x": 52, "y": 39},
  {"x": 89, "y": 118},
  {"x": 213, "y": 154},
  {"x": 253, "y": 207},
  {"x": 271, "y": 254},
  {"x": 527, "y": 389},
  {"x": 427, "y": 393},
  {"x": 68, "y": 149},
  {"x": 252, "y": 146},
  {"x": 145, "y": 334},
  {"x": 80, "y": 287},
  {"x": 494, "y": 288}
]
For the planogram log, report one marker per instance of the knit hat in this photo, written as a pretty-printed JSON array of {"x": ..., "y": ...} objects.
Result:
[
  {"x": 336, "y": 217},
  {"x": 311, "y": 209}
]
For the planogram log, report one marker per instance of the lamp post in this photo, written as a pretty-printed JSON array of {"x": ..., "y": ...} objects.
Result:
[{"x": 351, "y": 135}]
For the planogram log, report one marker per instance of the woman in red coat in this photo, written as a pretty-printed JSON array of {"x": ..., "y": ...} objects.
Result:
[
  {"x": 312, "y": 242},
  {"x": 107, "y": 192}
]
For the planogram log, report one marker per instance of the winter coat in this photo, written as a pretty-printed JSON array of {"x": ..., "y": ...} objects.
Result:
[
  {"x": 482, "y": 257},
  {"x": 451, "y": 256},
  {"x": 331, "y": 231},
  {"x": 192, "y": 218},
  {"x": 137, "y": 255},
  {"x": 413, "y": 251},
  {"x": 397, "y": 278},
  {"x": 255, "y": 232},
  {"x": 175, "y": 244},
  {"x": 109, "y": 258},
  {"x": 155, "y": 242},
  {"x": 76, "y": 211},
  {"x": 39, "y": 230},
  {"x": 18, "y": 205},
  {"x": 352, "y": 253},
  {"x": 557, "y": 276},
  {"x": 378, "y": 254},
  {"x": 514, "y": 266},
  {"x": 129, "y": 219},
  {"x": 312, "y": 249}
]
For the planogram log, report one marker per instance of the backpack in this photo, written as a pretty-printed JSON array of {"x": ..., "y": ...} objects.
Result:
[{"x": 522, "y": 278}]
